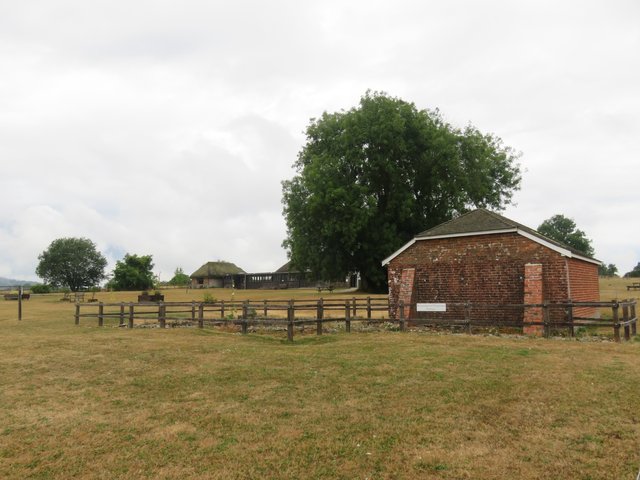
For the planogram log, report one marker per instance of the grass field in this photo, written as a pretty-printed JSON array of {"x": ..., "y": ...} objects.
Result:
[{"x": 85, "y": 402}]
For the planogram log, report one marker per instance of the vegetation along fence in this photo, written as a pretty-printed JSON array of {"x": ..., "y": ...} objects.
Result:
[{"x": 545, "y": 319}]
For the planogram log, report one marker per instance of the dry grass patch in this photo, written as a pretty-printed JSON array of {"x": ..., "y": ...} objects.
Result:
[{"x": 96, "y": 403}]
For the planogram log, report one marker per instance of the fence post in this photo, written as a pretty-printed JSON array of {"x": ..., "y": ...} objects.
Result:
[
  {"x": 131, "y": 308},
  {"x": 545, "y": 319},
  {"x": 20, "y": 292},
  {"x": 193, "y": 311},
  {"x": 77, "y": 314},
  {"x": 347, "y": 317},
  {"x": 222, "y": 309},
  {"x": 368, "y": 308},
  {"x": 572, "y": 331},
  {"x": 319, "y": 317},
  {"x": 266, "y": 308},
  {"x": 161, "y": 316},
  {"x": 245, "y": 314},
  {"x": 121, "y": 314},
  {"x": 201, "y": 315},
  {"x": 634, "y": 319},
  {"x": 625, "y": 319},
  {"x": 616, "y": 320},
  {"x": 401, "y": 308},
  {"x": 467, "y": 316},
  {"x": 355, "y": 307},
  {"x": 290, "y": 318},
  {"x": 101, "y": 314}
]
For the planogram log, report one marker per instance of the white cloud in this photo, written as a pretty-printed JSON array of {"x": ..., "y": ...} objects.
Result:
[{"x": 166, "y": 127}]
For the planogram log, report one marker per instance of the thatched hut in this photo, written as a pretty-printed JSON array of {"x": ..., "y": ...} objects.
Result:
[{"x": 215, "y": 275}]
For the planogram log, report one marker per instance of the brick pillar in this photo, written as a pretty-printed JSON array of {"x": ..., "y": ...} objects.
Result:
[
  {"x": 533, "y": 294},
  {"x": 406, "y": 290}
]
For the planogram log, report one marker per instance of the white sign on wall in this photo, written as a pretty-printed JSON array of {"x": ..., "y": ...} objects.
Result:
[{"x": 431, "y": 307}]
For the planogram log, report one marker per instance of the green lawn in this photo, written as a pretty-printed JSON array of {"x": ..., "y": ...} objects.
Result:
[{"x": 85, "y": 402}]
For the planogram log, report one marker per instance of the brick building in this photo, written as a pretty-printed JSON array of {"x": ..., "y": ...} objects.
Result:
[{"x": 484, "y": 258}]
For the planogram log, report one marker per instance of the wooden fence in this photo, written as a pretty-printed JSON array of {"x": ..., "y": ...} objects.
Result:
[
  {"x": 243, "y": 314},
  {"x": 555, "y": 317}
]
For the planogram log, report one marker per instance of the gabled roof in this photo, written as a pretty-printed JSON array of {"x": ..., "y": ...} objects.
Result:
[
  {"x": 216, "y": 269},
  {"x": 480, "y": 220},
  {"x": 284, "y": 268},
  {"x": 484, "y": 222}
]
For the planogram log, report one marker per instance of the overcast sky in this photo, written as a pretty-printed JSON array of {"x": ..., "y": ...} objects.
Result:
[{"x": 165, "y": 127}]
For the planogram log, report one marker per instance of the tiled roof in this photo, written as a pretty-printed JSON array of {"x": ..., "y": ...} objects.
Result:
[{"x": 483, "y": 221}]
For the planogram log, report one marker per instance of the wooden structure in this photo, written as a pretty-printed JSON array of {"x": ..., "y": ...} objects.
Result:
[
  {"x": 556, "y": 318},
  {"x": 228, "y": 275},
  {"x": 17, "y": 296},
  {"x": 74, "y": 297}
]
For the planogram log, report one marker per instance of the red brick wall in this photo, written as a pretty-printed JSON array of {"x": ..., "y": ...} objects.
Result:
[
  {"x": 533, "y": 287},
  {"x": 584, "y": 285},
  {"x": 407, "y": 283},
  {"x": 479, "y": 269}
]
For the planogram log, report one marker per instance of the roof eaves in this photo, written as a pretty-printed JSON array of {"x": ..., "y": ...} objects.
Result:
[
  {"x": 527, "y": 233},
  {"x": 399, "y": 251},
  {"x": 466, "y": 234},
  {"x": 556, "y": 246}
]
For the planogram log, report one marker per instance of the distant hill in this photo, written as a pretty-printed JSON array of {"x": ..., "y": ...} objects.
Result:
[{"x": 7, "y": 282}]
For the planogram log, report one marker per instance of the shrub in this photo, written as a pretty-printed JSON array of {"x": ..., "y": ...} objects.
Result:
[{"x": 41, "y": 288}]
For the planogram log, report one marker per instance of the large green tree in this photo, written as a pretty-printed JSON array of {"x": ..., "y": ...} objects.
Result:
[
  {"x": 370, "y": 178},
  {"x": 133, "y": 272},
  {"x": 564, "y": 230},
  {"x": 71, "y": 262}
]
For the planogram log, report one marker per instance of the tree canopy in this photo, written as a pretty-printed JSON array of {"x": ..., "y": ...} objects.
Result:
[
  {"x": 71, "y": 262},
  {"x": 133, "y": 272},
  {"x": 368, "y": 179},
  {"x": 609, "y": 270},
  {"x": 635, "y": 273},
  {"x": 180, "y": 278},
  {"x": 564, "y": 230}
]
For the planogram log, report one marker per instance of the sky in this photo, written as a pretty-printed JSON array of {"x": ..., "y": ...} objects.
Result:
[{"x": 165, "y": 128}]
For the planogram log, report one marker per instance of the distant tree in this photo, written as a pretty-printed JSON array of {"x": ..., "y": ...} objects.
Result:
[
  {"x": 133, "y": 272},
  {"x": 607, "y": 270},
  {"x": 633, "y": 273},
  {"x": 180, "y": 278},
  {"x": 564, "y": 230},
  {"x": 41, "y": 288},
  {"x": 74, "y": 263},
  {"x": 370, "y": 178}
]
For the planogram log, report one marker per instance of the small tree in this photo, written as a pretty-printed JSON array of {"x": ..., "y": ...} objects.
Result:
[
  {"x": 608, "y": 270},
  {"x": 74, "y": 263},
  {"x": 633, "y": 273},
  {"x": 180, "y": 278},
  {"x": 133, "y": 272},
  {"x": 564, "y": 230}
]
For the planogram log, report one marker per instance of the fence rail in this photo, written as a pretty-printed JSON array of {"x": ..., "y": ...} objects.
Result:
[{"x": 553, "y": 317}]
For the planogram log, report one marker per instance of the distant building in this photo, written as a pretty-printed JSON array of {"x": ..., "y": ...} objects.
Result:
[
  {"x": 484, "y": 258},
  {"x": 215, "y": 275},
  {"x": 227, "y": 275}
]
